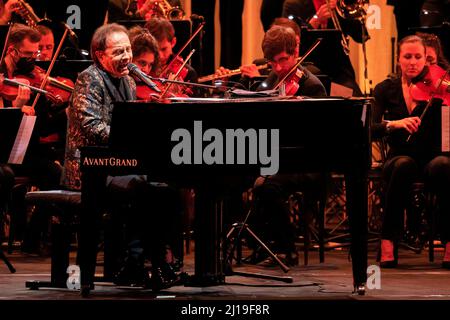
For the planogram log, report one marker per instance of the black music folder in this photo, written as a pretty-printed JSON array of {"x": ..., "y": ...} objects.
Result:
[
  {"x": 183, "y": 31},
  {"x": 10, "y": 122},
  {"x": 66, "y": 68}
]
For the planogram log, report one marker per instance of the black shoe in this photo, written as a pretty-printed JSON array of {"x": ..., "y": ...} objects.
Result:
[
  {"x": 446, "y": 264},
  {"x": 159, "y": 280},
  {"x": 388, "y": 264},
  {"x": 359, "y": 289},
  {"x": 132, "y": 276}
]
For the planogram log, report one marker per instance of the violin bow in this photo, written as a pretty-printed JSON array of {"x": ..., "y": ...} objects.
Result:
[
  {"x": 50, "y": 67},
  {"x": 178, "y": 72},
  {"x": 428, "y": 105},
  {"x": 6, "y": 42},
  {"x": 200, "y": 27},
  {"x": 299, "y": 61}
]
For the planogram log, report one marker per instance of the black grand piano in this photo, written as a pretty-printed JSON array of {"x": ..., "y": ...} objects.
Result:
[{"x": 329, "y": 134}]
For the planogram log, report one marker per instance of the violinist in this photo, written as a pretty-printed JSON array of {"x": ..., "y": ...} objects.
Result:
[
  {"x": 43, "y": 160},
  {"x": 435, "y": 54},
  {"x": 21, "y": 54},
  {"x": 164, "y": 33},
  {"x": 252, "y": 75},
  {"x": 146, "y": 57},
  {"x": 396, "y": 117},
  {"x": 280, "y": 48},
  {"x": 273, "y": 217}
]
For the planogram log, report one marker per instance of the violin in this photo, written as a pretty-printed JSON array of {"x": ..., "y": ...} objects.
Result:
[
  {"x": 58, "y": 89},
  {"x": 144, "y": 92},
  {"x": 433, "y": 82},
  {"x": 291, "y": 80},
  {"x": 176, "y": 70},
  {"x": 9, "y": 88}
]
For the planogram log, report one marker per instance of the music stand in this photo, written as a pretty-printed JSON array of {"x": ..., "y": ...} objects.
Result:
[
  {"x": 240, "y": 228},
  {"x": 183, "y": 31},
  {"x": 320, "y": 57},
  {"x": 66, "y": 68},
  {"x": 10, "y": 119},
  {"x": 442, "y": 31},
  {"x": 330, "y": 45}
]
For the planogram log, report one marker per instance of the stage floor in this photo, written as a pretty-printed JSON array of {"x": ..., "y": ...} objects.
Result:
[{"x": 415, "y": 278}]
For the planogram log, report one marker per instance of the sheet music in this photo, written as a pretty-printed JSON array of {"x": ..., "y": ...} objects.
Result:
[
  {"x": 22, "y": 139},
  {"x": 338, "y": 90},
  {"x": 445, "y": 129}
]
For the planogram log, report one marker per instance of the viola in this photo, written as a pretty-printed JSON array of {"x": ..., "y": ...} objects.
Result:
[
  {"x": 433, "y": 82},
  {"x": 58, "y": 89}
]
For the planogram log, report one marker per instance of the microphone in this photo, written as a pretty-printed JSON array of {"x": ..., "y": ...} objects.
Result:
[{"x": 134, "y": 70}]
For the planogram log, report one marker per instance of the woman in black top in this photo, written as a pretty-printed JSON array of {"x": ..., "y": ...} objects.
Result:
[{"x": 410, "y": 160}]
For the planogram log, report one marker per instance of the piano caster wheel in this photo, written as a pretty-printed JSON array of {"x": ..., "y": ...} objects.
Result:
[{"x": 359, "y": 289}]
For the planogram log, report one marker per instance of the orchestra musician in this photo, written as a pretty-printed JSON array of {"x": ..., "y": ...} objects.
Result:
[
  {"x": 136, "y": 9},
  {"x": 252, "y": 75},
  {"x": 146, "y": 58},
  {"x": 47, "y": 43},
  {"x": 280, "y": 49},
  {"x": 435, "y": 54},
  {"x": 407, "y": 161},
  {"x": 316, "y": 14},
  {"x": 89, "y": 119},
  {"x": 45, "y": 151},
  {"x": 145, "y": 50},
  {"x": 7, "y": 8},
  {"x": 164, "y": 33}
]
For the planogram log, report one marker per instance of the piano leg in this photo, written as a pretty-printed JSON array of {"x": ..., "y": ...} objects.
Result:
[
  {"x": 208, "y": 223},
  {"x": 90, "y": 226},
  {"x": 357, "y": 211}
]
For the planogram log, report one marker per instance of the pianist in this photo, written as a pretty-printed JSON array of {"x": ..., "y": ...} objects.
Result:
[
  {"x": 408, "y": 162},
  {"x": 89, "y": 117}
]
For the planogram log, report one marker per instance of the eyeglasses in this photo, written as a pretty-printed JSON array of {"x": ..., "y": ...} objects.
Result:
[
  {"x": 29, "y": 55},
  {"x": 280, "y": 61}
]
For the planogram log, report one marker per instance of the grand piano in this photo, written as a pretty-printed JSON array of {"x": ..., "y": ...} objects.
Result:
[{"x": 327, "y": 135}]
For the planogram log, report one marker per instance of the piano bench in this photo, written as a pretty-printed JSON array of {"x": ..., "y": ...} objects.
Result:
[
  {"x": 64, "y": 207},
  {"x": 61, "y": 198}
]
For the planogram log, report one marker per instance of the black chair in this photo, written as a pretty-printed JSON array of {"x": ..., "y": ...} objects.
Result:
[{"x": 65, "y": 206}]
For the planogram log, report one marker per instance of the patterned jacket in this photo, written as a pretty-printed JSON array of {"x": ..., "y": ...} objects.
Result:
[{"x": 89, "y": 117}]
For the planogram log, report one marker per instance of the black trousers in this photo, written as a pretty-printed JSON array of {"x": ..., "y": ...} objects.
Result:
[
  {"x": 273, "y": 216},
  {"x": 399, "y": 174},
  {"x": 150, "y": 211}
]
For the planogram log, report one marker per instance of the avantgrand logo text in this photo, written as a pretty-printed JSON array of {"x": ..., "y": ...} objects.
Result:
[
  {"x": 109, "y": 162},
  {"x": 227, "y": 147}
]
